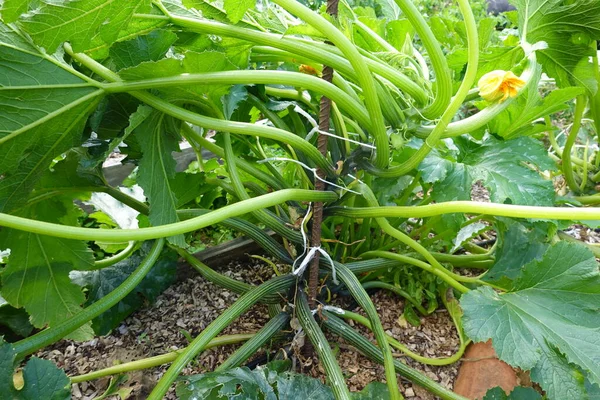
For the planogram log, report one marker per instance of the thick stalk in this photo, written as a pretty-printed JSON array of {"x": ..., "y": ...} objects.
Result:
[
  {"x": 466, "y": 207},
  {"x": 267, "y": 77},
  {"x": 155, "y": 361},
  {"x": 363, "y": 299},
  {"x": 456, "y": 102},
  {"x": 443, "y": 80},
  {"x": 334, "y": 373},
  {"x": 44, "y": 338},
  {"x": 272, "y": 286},
  {"x": 345, "y": 331},
  {"x": 123, "y": 235},
  {"x": 120, "y": 256},
  {"x": 208, "y": 122},
  {"x": 324, "y": 54},
  {"x": 567, "y": 166},
  {"x": 271, "y": 328},
  {"x": 399, "y": 346},
  {"x": 365, "y": 79}
]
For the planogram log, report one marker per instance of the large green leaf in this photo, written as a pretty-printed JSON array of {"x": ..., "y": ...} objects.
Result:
[
  {"x": 42, "y": 379},
  {"x": 500, "y": 165},
  {"x": 80, "y": 22},
  {"x": 548, "y": 323},
  {"x": 43, "y": 107},
  {"x": 102, "y": 282},
  {"x": 37, "y": 274},
  {"x": 157, "y": 171},
  {"x": 568, "y": 28}
]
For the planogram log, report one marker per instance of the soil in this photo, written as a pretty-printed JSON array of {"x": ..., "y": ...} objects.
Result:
[{"x": 190, "y": 305}]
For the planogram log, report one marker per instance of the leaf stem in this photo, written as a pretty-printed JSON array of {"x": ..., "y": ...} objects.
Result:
[
  {"x": 155, "y": 361},
  {"x": 567, "y": 166}
]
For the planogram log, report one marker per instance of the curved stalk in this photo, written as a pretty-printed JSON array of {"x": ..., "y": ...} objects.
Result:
[
  {"x": 120, "y": 256},
  {"x": 123, "y": 235},
  {"x": 246, "y": 77},
  {"x": 484, "y": 116},
  {"x": 208, "y": 122},
  {"x": 155, "y": 361},
  {"x": 244, "y": 303},
  {"x": 567, "y": 166},
  {"x": 439, "y": 272},
  {"x": 456, "y": 102},
  {"x": 44, "y": 338},
  {"x": 271, "y": 328},
  {"x": 364, "y": 76},
  {"x": 443, "y": 80},
  {"x": 346, "y": 332},
  {"x": 325, "y": 54},
  {"x": 399, "y": 346},
  {"x": 396, "y": 290}
]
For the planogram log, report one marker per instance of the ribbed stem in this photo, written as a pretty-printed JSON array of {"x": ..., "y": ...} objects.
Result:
[{"x": 272, "y": 286}]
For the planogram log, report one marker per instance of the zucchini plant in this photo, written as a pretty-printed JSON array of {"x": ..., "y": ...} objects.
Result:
[{"x": 355, "y": 130}]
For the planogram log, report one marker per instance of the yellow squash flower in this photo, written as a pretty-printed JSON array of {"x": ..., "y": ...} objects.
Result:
[{"x": 499, "y": 85}]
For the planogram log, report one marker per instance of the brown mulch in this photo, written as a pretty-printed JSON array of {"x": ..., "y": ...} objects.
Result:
[{"x": 190, "y": 305}]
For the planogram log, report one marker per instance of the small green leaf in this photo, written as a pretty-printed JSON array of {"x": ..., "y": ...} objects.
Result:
[
  {"x": 236, "y": 9},
  {"x": 547, "y": 323},
  {"x": 373, "y": 391},
  {"x": 150, "y": 47},
  {"x": 42, "y": 379},
  {"x": 79, "y": 21},
  {"x": 466, "y": 233}
]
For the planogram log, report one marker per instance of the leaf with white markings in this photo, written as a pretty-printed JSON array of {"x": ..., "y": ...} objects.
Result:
[{"x": 548, "y": 323}]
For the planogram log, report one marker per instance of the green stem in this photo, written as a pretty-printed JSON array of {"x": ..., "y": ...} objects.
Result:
[
  {"x": 123, "y": 235},
  {"x": 396, "y": 290},
  {"x": 246, "y": 77},
  {"x": 120, "y": 256},
  {"x": 465, "y": 207},
  {"x": 456, "y": 102},
  {"x": 44, "y": 338},
  {"x": 359, "y": 65},
  {"x": 363, "y": 299},
  {"x": 567, "y": 167},
  {"x": 569, "y": 238},
  {"x": 340, "y": 328},
  {"x": 322, "y": 53},
  {"x": 484, "y": 116},
  {"x": 208, "y": 122},
  {"x": 397, "y": 345},
  {"x": 244, "y": 303},
  {"x": 441, "y": 273},
  {"x": 155, "y": 361},
  {"x": 437, "y": 57},
  {"x": 271, "y": 328},
  {"x": 334, "y": 373}
]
